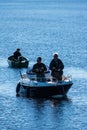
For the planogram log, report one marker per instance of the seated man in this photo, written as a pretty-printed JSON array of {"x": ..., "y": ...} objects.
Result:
[
  {"x": 17, "y": 54},
  {"x": 39, "y": 68},
  {"x": 56, "y": 66}
]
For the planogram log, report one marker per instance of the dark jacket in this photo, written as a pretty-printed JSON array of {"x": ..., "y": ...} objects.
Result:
[
  {"x": 39, "y": 68},
  {"x": 16, "y": 54},
  {"x": 55, "y": 65}
]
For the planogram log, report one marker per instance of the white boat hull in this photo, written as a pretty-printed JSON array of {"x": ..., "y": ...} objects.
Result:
[{"x": 43, "y": 89}]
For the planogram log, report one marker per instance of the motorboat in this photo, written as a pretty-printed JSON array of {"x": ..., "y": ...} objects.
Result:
[
  {"x": 29, "y": 85},
  {"x": 21, "y": 63}
]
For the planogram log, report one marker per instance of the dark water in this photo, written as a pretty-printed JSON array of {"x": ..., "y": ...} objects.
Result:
[{"x": 41, "y": 28}]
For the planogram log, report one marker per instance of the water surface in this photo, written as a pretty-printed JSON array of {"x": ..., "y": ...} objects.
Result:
[{"x": 41, "y": 28}]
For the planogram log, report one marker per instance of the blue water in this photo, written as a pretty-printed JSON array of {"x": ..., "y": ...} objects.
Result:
[{"x": 40, "y": 28}]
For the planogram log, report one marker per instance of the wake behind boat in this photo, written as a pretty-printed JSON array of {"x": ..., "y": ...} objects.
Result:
[
  {"x": 29, "y": 85},
  {"x": 21, "y": 63}
]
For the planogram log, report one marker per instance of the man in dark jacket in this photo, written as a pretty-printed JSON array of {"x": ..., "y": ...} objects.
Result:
[
  {"x": 56, "y": 66},
  {"x": 39, "y": 68},
  {"x": 17, "y": 54}
]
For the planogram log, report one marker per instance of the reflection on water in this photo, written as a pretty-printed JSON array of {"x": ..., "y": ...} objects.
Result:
[
  {"x": 56, "y": 101},
  {"x": 31, "y": 111}
]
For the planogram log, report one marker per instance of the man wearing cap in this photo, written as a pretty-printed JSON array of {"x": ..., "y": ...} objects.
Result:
[{"x": 56, "y": 66}]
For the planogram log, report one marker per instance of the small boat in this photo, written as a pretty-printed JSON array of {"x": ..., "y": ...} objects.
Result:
[
  {"x": 29, "y": 85},
  {"x": 23, "y": 63}
]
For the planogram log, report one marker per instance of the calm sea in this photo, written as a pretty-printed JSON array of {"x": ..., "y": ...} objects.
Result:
[{"x": 40, "y": 28}]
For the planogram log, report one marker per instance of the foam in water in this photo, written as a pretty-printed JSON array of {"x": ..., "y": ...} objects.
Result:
[{"x": 76, "y": 72}]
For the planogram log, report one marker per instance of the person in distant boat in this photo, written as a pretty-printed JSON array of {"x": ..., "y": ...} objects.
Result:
[
  {"x": 39, "y": 68},
  {"x": 56, "y": 66},
  {"x": 17, "y": 54}
]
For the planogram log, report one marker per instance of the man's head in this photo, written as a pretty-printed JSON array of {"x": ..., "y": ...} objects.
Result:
[
  {"x": 18, "y": 49},
  {"x": 39, "y": 59},
  {"x": 55, "y": 55}
]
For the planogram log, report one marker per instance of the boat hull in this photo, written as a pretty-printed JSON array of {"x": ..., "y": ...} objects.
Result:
[
  {"x": 53, "y": 91},
  {"x": 45, "y": 89},
  {"x": 16, "y": 64}
]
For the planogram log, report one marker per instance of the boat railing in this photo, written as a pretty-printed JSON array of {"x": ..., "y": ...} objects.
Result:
[
  {"x": 46, "y": 77},
  {"x": 33, "y": 77},
  {"x": 67, "y": 78}
]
